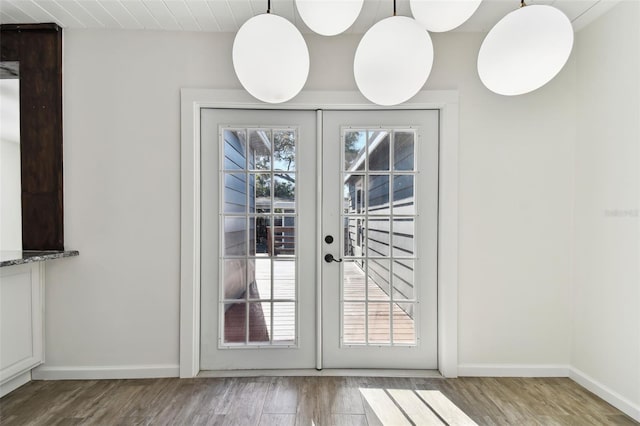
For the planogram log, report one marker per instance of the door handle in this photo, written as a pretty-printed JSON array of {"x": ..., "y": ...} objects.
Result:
[{"x": 329, "y": 258}]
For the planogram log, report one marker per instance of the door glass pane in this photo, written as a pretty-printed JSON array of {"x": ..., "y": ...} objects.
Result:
[
  {"x": 263, "y": 277},
  {"x": 284, "y": 193},
  {"x": 354, "y": 152},
  {"x": 260, "y": 242},
  {"x": 403, "y": 155},
  {"x": 378, "y": 279},
  {"x": 378, "y": 154},
  {"x": 234, "y": 149},
  {"x": 260, "y": 149},
  {"x": 403, "y": 202},
  {"x": 284, "y": 279},
  {"x": 378, "y": 317},
  {"x": 403, "y": 280},
  {"x": 260, "y": 190},
  {"x": 284, "y": 324},
  {"x": 402, "y": 241},
  {"x": 235, "y": 236},
  {"x": 378, "y": 194},
  {"x": 234, "y": 272},
  {"x": 354, "y": 193},
  {"x": 404, "y": 326},
  {"x": 354, "y": 230},
  {"x": 235, "y": 322},
  {"x": 235, "y": 193},
  {"x": 378, "y": 236},
  {"x": 284, "y": 155},
  {"x": 259, "y": 322},
  {"x": 259, "y": 236},
  {"x": 354, "y": 280},
  {"x": 353, "y": 326}
]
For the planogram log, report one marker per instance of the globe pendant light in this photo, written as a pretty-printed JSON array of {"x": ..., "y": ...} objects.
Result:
[
  {"x": 443, "y": 15},
  {"x": 393, "y": 60},
  {"x": 270, "y": 58},
  {"x": 329, "y": 17},
  {"x": 525, "y": 50}
]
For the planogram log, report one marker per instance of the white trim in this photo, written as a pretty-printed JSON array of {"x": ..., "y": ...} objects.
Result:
[
  {"x": 15, "y": 383},
  {"x": 190, "y": 235},
  {"x": 327, "y": 372},
  {"x": 448, "y": 241},
  {"x": 105, "y": 372},
  {"x": 194, "y": 99},
  {"x": 319, "y": 240},
  {"x": 513, "y": 370},
  {"x": 604, "y": 392}
]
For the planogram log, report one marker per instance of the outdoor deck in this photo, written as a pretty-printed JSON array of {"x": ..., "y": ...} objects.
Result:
[{"x": 283, "y": 316}]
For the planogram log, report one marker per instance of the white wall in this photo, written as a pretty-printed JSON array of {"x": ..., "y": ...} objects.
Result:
[
  {"x": 10, "y": 180},
  {"x": 606, "y": 318},
  {"x": 117, "y": 303}
]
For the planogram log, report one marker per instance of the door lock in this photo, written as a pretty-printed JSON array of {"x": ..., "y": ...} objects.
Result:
[{"x": 329, "y": 258}]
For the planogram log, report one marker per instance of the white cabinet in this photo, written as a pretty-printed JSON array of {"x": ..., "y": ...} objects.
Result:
[{"x": 21, "y": 323}]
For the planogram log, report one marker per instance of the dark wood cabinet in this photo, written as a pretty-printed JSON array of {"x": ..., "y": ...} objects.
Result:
[{"x": 38, "y": 49}]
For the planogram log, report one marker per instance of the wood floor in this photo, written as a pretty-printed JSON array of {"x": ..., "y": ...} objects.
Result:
[{"x": 308, "y": 401}]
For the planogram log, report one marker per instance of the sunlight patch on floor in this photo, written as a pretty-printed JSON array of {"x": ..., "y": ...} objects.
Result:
[{"x": 398, "y": 407}]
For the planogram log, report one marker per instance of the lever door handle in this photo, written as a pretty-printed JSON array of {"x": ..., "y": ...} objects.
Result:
[{"x": 329, "y": 258}]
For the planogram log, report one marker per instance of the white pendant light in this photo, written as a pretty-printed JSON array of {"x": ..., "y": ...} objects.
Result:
[
  {"x": 393, "y": 60},
  {"x": 443, "y": 15},
  {"x": 329, "y": 17},
  {"x": 525, "y": 50},
  {"x": 270, "y": 58}
]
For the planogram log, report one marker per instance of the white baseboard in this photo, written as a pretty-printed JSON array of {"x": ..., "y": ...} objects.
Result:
[
  {"x": 15, "y": 383},
  {"x": 513, "y": 370},
  {"x": 612, "y": 397},
  {"x": 326, "y": 372},
  {"x": 45, "y": 372}
]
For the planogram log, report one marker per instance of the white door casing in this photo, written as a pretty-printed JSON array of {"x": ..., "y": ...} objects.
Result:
[{"x": 194, "y": 99}]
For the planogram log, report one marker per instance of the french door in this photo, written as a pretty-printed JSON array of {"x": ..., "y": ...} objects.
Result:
[
  {"x": 258, "y": 262},
  {"x": 379, "y": 212},
  {"x": 378, "y": 215}
]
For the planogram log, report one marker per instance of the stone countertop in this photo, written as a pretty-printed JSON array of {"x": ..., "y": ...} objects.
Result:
[{"x": 17, "y": 257}]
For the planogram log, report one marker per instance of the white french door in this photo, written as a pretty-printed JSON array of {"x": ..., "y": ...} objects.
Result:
[
  {"x": 258, "y": 180},
  {"x": 259, "y": 254},
  {"x": 379, "y": 222}
]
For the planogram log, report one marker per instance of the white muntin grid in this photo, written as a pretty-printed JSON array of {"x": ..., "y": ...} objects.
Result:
[
  {"x": 289, "y": 213},
  {"x": 360, "y": 166}
]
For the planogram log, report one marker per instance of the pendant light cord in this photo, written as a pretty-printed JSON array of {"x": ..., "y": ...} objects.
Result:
[
  {"x": 522, "y": 3},
  {"x": 394, "y": 7},
  {"x": 269, "y": 6}
]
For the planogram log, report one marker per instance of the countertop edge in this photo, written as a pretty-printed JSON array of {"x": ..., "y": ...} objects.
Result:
[{"x": 24, "y": 257}]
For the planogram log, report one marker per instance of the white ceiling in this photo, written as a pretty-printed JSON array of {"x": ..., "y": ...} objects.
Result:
[{"x": 229, "y": 15}]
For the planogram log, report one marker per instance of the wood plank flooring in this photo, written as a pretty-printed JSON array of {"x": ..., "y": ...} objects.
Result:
[{"x": 318, "y": 401}]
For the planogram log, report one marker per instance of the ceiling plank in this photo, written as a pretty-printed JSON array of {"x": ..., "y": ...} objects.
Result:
[
  {"x": 80, "y": 13},
  {"x": 162, "y": 14},
  {"x": 241, "y": 10},
  {"x": 121, "y": 14},
  {"x": 37, "y": 13},
  {"x": 138, "y": 9},
  {"x": 96, "y": 9},
  {"x": 183, "y": 15},
  {"x": 203, "y": 14},
  {"x": 15, "y": 13},
  {"x": 62, "y": 15},
  {"x": 223, "y": 15}
]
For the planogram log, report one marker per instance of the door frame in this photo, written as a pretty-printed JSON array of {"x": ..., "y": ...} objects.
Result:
[{"x": 193, "y": 100}]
